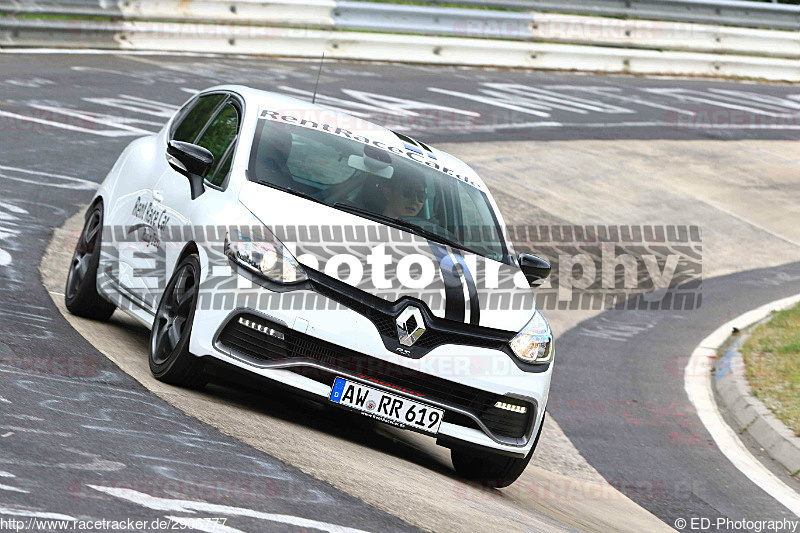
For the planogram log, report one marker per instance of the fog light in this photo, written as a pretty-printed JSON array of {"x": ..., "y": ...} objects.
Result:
[{"x": 511, "y": 407}]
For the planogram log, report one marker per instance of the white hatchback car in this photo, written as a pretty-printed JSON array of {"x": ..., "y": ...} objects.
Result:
[{"x": 332, "y": 256}]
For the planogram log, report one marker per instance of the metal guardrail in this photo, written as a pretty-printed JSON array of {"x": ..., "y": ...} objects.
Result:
[
  {"x": 743, "y": 13},
  {"x": 439, "y": 21},
  {"x": 291, "y": 42},
  {"x": 441, "y": 34},
  {"x": 573, "y": 29},
  {"x": 726, "y": 12}
]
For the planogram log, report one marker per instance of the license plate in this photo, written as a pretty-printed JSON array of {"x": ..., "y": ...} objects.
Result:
[{"x": 396, "y": 410}]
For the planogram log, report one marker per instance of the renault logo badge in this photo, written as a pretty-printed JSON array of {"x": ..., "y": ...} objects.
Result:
[{"x": 410, "y": 325}]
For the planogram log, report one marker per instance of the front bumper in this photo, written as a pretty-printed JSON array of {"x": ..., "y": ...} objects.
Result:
[{"x": 312, "y": 344}]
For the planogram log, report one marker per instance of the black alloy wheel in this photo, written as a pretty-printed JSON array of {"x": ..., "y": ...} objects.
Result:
[
  {"x": 170, "y": 360},
  {"x": 80, "y": 294}
]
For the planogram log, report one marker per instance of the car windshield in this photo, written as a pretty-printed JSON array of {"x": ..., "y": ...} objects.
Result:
[{"x": 376, "y": 183}]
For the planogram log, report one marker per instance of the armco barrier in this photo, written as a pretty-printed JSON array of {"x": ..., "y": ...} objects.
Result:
[
  {"x": 746, "y": 13},
  {"x": 449, "y": 35},
  {"x": 303, "y": 13},
  {"x": 570, "y": 29},
  {"x": 726, "y": 12},
  {"x": 292, "y": 42},
  {"x": 439, "y": 21}
]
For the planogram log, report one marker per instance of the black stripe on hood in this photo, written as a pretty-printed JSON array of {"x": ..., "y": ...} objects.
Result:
[
  {"x": 472, "y": 288},
  {"x": 454, "y": 308}
]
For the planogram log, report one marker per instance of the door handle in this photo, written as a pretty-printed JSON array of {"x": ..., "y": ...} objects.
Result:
[{"x": 158, "y": 197}]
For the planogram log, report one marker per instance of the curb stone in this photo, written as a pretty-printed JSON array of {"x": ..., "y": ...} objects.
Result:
[{"x": 750, "y": 414}]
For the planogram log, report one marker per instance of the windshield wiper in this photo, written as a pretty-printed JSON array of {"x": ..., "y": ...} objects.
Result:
[
  {"x": 291, "y": 190},
  {"x": 397, "y": 222}
]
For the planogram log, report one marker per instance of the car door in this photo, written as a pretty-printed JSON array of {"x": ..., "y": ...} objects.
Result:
[
  {"x": 219, "y": 136},
  {"x": 132, "y": 260},
  {"x": 144, "y": 257},
  {"x": 124, "y": 220}
]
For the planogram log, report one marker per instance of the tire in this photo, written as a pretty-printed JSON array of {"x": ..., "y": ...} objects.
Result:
[
  {"x": 491, "y": 469},
  {"x": 80, "y": 294},
  {"x": 169, "y": 357}
]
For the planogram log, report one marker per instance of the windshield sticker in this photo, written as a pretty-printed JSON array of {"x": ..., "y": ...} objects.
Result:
[{"x": 407, "y": 151}]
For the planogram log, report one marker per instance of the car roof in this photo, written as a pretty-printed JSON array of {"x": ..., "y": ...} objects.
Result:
[{"x": 257, "y": 99}]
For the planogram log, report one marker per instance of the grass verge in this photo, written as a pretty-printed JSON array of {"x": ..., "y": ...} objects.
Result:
[{"x": 772, "y": 360}]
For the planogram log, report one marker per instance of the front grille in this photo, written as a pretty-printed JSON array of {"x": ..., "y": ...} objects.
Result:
[
  {"x": 284, "y": 343},
  {"x": 383, "y": 321},
  {"x": 382, "y": 314}
]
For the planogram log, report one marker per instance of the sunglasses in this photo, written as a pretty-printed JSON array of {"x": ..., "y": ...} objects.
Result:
[{"x": 420, "y": 194}]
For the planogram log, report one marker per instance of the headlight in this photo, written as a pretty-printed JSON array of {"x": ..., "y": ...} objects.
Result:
[
  {"x": 534, "y": 344},
  {"x": 265, "y": 255}
]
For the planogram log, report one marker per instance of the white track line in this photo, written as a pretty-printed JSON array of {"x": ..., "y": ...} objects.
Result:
[
  {"x": 35, "y": 514},
  {"x": 697, "y": 383},
  {"x": 81, "y": 183},
  {"x": 610, "y": 125},
  {"x": 191, "y": 506},
  {"x": 13, "y": 489}
]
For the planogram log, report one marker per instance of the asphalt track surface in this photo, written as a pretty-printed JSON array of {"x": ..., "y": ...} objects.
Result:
[
  {"x": 74, "y": 429},
  {"x": 620, "y": 380}
]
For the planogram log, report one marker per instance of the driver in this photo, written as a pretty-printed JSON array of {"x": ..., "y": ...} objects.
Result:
[{"x": 405, "y": 195}]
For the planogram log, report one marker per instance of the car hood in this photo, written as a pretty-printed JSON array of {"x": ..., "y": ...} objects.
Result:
[{"x": 392, "y": 264}]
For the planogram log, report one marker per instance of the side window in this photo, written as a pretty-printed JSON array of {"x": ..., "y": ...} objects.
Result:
[
  {"x": 222, "y": 171},
  {"x": 193, "y": 122},
  {"x": 217, "y": 138}
]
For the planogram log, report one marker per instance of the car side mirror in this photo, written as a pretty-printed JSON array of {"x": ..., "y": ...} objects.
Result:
[
  {"x": 192, "y": 161},
  {"x": 536, "y": 269}
]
